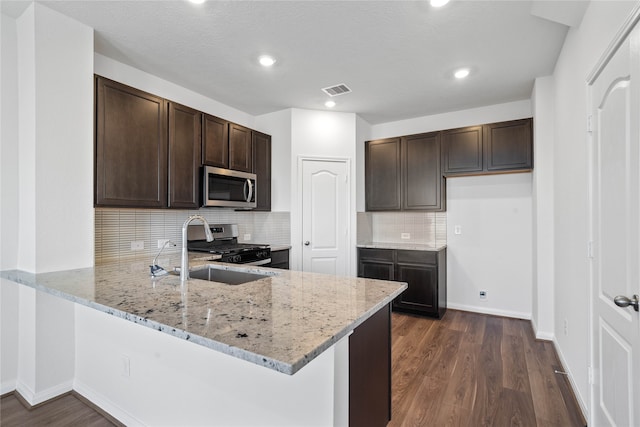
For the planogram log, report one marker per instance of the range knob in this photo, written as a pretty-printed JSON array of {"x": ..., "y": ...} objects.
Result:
[
  {"x": 262, "y": 254},
  {"x": 235, "y": 258}
]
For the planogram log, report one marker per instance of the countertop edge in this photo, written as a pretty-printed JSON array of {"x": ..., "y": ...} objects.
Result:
[{"x": 28, "y": 279}]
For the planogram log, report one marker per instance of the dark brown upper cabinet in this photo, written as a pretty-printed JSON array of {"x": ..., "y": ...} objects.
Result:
[
  {"x": 261, "y": 148},
  {"x": 462, "y": 150},
  {"x": 185, "y": 136},
  {"x": 130, "y": 147},
  {"x": 240, "y": 144},
  {"x": 509, "y": 145},
  {"x": 404, "y": 174},
  {"x": 487, "y": 149},
  {"x": 383, "y": 179},
  {"x": 423, "y": 185},
  {"x": 215, "y": 142}
]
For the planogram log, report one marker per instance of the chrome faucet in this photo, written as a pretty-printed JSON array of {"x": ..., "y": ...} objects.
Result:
[{"x": 184, "y": 264}]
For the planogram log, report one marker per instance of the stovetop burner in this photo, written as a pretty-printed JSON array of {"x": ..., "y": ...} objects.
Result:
[{"x": 223, "y": 247}]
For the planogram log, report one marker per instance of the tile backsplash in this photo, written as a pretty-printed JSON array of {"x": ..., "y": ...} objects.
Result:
[
  {"x": 116, "y": 229},
  {"x": 428, "y": 228}
]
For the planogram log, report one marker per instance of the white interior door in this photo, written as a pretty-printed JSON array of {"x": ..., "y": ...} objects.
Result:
[
  {"x": 325, "y": 216},
  {"x": 615, "y": 100}
]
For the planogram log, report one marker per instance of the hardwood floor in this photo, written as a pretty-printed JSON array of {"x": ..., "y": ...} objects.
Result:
[
  {"x": 471, "y": 369},
  {"x": 466, "y": 369},
  {"x": 65, "y": 411}
]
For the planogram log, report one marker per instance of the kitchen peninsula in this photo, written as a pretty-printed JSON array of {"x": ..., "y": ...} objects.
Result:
[{"x": 281, "y": 342}]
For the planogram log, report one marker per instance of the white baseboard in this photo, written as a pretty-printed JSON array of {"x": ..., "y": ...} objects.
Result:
[
  {"x": 106, "y": 405},
  {"x": 7, "y": 387},
  {"x": 541, "y": 335},
  {"x": 493, "y": 311},
  {"x": 574, "y": 386},
  {"x": 34, "y": 398}
]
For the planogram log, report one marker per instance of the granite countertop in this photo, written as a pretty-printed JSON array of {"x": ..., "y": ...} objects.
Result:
[
  {"x": 282, "y": 321},
  {"x": 402, "y": 246}
]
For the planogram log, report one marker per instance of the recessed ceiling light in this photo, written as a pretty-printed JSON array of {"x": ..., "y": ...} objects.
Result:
[
  {"x": 330, "y": 104},
  {"x": 197, "y": 1},
  {"x": 461, "y": 73},
  {"x": 439, "y": 3},
  {"x": 266, "y": 61}
]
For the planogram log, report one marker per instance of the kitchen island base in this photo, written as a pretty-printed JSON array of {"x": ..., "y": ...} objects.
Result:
[{"x": 143, "y": 377}]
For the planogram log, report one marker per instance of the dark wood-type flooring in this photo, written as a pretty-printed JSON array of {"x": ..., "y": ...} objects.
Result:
[
  {"x": 466, "y": 369},
  {"x": 64, "y": 411},
  {"x": 470, "y": 369}
]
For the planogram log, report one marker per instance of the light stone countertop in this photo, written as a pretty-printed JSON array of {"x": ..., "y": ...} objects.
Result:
[
  {"x": 275, "y": 248},
  {"x": 282, "y": 321},
  {"x": 402, "y": 246}
]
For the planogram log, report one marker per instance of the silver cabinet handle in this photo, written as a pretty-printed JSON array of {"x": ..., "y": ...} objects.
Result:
[
  {"x": 622, "y": 301},
  {"x": 307, "y": 243}
]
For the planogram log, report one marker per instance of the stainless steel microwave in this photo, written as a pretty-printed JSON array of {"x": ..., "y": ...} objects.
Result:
[{"x": 227, "y": 188}]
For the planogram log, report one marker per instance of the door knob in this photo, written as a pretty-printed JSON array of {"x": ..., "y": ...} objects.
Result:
[
  {"x": 622, "y": 301},
  {"x": 307, "y": 243}
]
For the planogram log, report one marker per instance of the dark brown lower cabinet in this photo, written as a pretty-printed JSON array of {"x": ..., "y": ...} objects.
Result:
[
  {"x": 370, "y": 371},
  {"x": 280, "y": 259},
  {"x": 424, "y": 271}
]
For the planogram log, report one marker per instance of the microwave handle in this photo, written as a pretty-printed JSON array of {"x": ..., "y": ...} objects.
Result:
[{"x": 250, "y": 184}]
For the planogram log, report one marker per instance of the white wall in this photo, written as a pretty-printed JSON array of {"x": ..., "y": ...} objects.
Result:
[
  {"x": 582, "y": 49},
  {"x": 114, "y": 70},
  {"x": 9, "y": 145},
  {"x": 542, "y": 316},
  {"x": 363, "y": 133},
  {"x": 452, "y": 120},
  {"x": 8, "y": 202},
  {"x": 493, "y": 252},
  {"x": 321, "y": 134},
  {"x": 55, "y": 66},
  {"x": 278, "y": 125}
]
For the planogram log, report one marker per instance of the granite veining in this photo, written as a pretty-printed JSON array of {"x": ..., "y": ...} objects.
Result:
[
  {"x": 401, "y": 246},
  {"x": 282, "y": 321}
]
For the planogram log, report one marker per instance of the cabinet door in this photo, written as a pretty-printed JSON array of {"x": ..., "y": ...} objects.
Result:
[
  {"x": 262, "y": 168},
  {"x": 131, "y": 147},
  {"x": 382, "y": 175},
  {"x": 215, "y": 142},
  {"x": 370, "y": 371},
  {"x": 422, "y": 181},
  {"x": 462, "y": 151},
  {"x": 421, "y": 295},
  {"x": 240, "y": 157},
  {"x": 185, "y": 138},
  {"x": 509, "y": 145}
]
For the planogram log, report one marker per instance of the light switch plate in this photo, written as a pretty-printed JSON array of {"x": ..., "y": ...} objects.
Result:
[
  {"x": 457, "y": 229},
  {"x": 405, "y": 236},
  {"x": 247, "y": 237}
]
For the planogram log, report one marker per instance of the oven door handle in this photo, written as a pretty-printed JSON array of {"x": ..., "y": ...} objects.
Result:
[{"x": 260, "y": 262}]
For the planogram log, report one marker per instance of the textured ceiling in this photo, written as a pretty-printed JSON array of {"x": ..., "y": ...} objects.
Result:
[{"x": 396, "y": 56}]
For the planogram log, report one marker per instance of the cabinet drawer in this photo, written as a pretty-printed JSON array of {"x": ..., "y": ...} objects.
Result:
[
  {"x": 417, "y": 257},
  {"x": 376, "y": 254}
]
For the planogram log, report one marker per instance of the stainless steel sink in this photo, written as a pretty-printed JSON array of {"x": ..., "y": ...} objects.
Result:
[{"x": 230, "y": 277}]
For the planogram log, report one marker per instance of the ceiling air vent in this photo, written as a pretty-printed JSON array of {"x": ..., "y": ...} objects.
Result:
[{"x": 336, "y": 90}]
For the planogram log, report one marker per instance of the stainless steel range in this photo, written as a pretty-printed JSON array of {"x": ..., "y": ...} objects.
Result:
[{"x": 225, "y": 243}]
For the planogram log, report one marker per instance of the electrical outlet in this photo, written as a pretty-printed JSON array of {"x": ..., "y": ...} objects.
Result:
[
  {"x": 566, "y": 327},
  {"x": 125, "y": 366},
  {"x": 162, "y": 242},
  {"x": 137, "y": 245},
  {"x": 483, "y": 295},
  {"x": 247, "y": 237},
  {"x": 457, "y": 229},
  {"x": 405, "y": 236}
]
